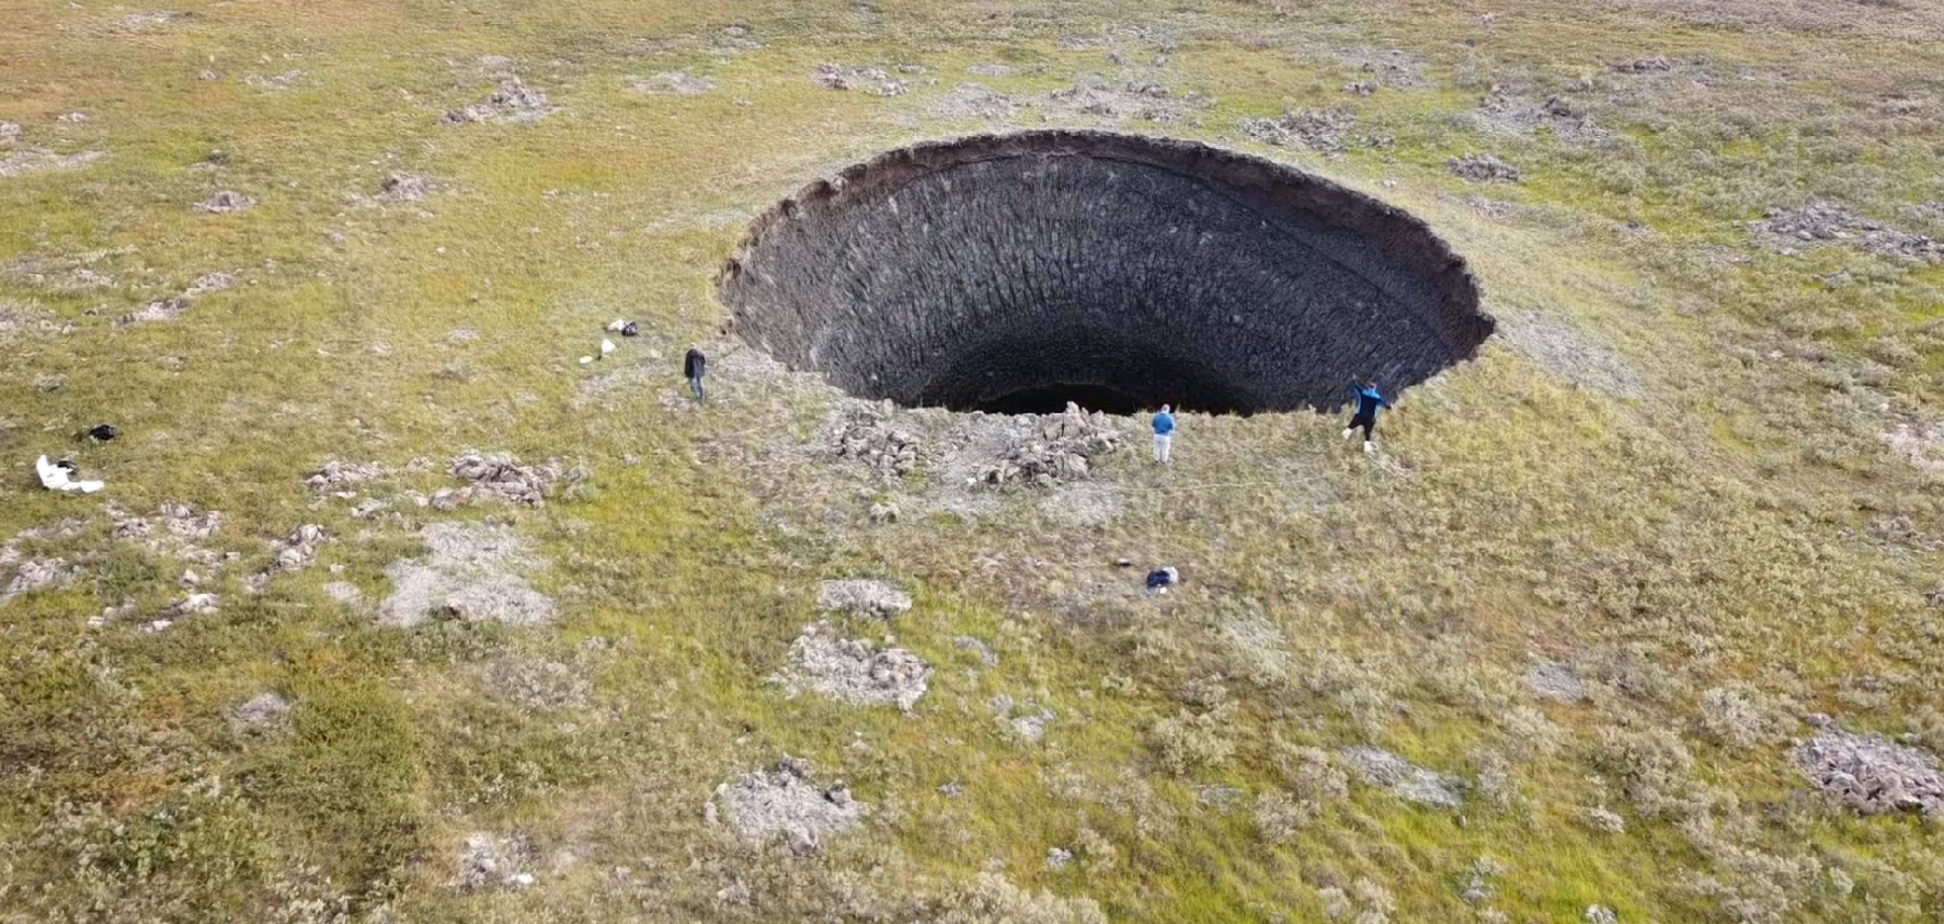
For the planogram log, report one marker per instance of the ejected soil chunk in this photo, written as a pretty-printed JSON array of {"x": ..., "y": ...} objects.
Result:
[
  {"x": 785, "y": 801},
  {"x": 1403, "y": 779},
  {"x": 1871, "y": 774},
  {"x": 852, "y": 672},
  {"x": 864, "y": 598},
  {"x": 1017, "y": 273}
]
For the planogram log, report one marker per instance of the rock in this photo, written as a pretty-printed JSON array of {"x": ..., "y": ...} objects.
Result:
[
  {"x": 501, "y": 475},
  {"x": 486, "y": 860},
  {"x": 1404, "y": 779},
  {"x": 1058, "y": 858},
  {"x": 863, "y": 433},
  {"x": 404, "y": 187},
  {"x": 1556, "y": 681},
  {"x": 1055, "y": 448},
  {"x": 1600, "y": 914},
  {"x": 861, "y": 597},
  {"x": 1317, "y": 129}
]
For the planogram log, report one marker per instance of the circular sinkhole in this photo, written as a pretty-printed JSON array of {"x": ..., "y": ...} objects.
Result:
[{"x": 1014, "y": 273}]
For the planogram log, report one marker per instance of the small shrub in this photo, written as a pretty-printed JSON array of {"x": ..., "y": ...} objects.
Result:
[{"x": 1189, "y": 741}]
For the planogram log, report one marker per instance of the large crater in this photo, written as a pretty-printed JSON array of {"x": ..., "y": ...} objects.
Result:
[{"x": 1014, "y": 273}]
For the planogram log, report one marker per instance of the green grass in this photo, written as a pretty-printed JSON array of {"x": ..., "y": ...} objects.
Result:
[{"x": 1710, "y": 530}]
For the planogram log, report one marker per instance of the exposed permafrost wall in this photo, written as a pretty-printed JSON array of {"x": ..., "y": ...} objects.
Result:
[{"x": 1006, "y": 272}]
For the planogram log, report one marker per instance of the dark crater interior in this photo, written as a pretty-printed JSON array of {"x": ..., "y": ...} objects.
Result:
[{"x": 1015, "y": 273}]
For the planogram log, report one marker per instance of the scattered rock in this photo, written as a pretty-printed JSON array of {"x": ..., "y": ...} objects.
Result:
[
  {"x": 225, "y": 203},
  {"x": 501, "y": 475},
  {"x": 32, "y": 575},
  {"x": 1403, "y": 779},
  {"x": 1483, "y": 168},
  {"x": 209, "y": 284},
  {"x": 1556, "y": 681},
  {"x": 1822, "y": 222},
  {"x": 486, "y": 860},
  {"x": 767, "y": 803},
  {"x": 1600, "y": 914},
  {"x": 470, "y": 575},
  {"x": 183, "y": 529},
  {"x": 514, "y": 102},
  {"x": 276, "y": 82},
  {"x": 1058, "y": 858},
  {"x": 337, "y": 473},
  {"x": 675, "y": 83},
  {"x": 1094, "y": 95},
  {"x": 1317, "y": 129},
  {"x": 851, "y": 671},
  {"x": 863, "y": 432},
  {"x": 859, "y": 597},
  {"x": 168, "y": 309},
  {"x": 1872, "y": 774},
  {"x": 872, "y": 81}
]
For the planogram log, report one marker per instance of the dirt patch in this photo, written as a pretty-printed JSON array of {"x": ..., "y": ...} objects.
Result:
[
  {"x": 513, "y": 102},
  {"x": 1317, "y": 129},
  {"x": 1555, "y": 681},
  {"x": 1923, "y": 445},
  {"x": 404, "y": 187},
  {"x": 225, "y": 203},
  {"x": 974, "y": 101},
  {"x": 21, "y": 163},
  {"x": 674, "y": 83},
  {"x": 1482, "y": 168},
  {"x": 470, "y": 573},
  {"x": 859, "y": 597},
  {"x": 1823, "y": 223},
  {"x": 871, "y": 81},
  {"x": 1387, "y": 67},
  {"x": 1563, "y": 349},
  {"x": 1083, "y": 505},
  {"x": 1129, "y": 98},
  {"x": 1403, "y": 779},
  {"x": 261, "y": 715},
  {"x": 786, "y": 801},
  {"x": 1872, "y": 774},
  {"x": 1512, "y": 114},
  {"x": 852, "y": 671}
]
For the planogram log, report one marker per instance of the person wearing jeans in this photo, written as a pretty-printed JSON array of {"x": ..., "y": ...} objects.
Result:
[{"x": 694, "y": 366}]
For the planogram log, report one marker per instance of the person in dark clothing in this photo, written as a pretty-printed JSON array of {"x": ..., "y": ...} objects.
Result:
[
  {"x": 1369, "y": 400},
  {"x": 694, "y": 366}
]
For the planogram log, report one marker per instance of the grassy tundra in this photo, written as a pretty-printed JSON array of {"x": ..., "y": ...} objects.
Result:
[{"x": 1597, "y": 582}]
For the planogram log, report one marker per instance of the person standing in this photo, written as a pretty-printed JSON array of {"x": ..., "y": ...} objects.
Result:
[
  {"x": 1369, "y": 400},
  {"x": 694, "y": 366},
  {"x": 1164, "y": 427}
]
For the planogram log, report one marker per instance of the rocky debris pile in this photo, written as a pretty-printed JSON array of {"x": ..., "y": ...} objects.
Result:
[
  {"x": 874, "y": 599},
  {"x": 1483, "y": 168},
  {"x": 1403, "y": 779},
  {"x": 1513, "y": 114},
  {"x": 260, "y": 715},
  {"x": 514, "y": 101},
  {"x": 338, "y": 473},
  {"x": 1643, "y": 66},
  {"x": 499, "y": 475},
  {"x": 226, "y": 202},
  {"x": 851, "y": 671},
  {"x": 169, "y": 309},
  {"x": 31, "y": 160},
  {"x": 785, "y": 801},
  {"x": 31, "y": 574},
  {"x": 200, "y": 603},
  {"x": 294, "y": 553},
  {"x": 1825, "y": 222},
  {"x": 486, "y": 860},
  {"x": 404, "y": 187},
  {"x": 1872, "y": 774},
  {"x": 863, "y": 433},
  {"x": 1094, "y": 95},
  {"x": 1057, "y": 447},
  {"x": 675, "y": 83},
  {"x": 872, "y": 81},
  {"x": 469, "y": 574},
  {"x": 1317, "y": 129}
]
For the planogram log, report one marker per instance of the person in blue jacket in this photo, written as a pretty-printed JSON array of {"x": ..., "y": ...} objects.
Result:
[
  {"x": 1369, "y": 400},
  {"x": 1164, "y": 427}
]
